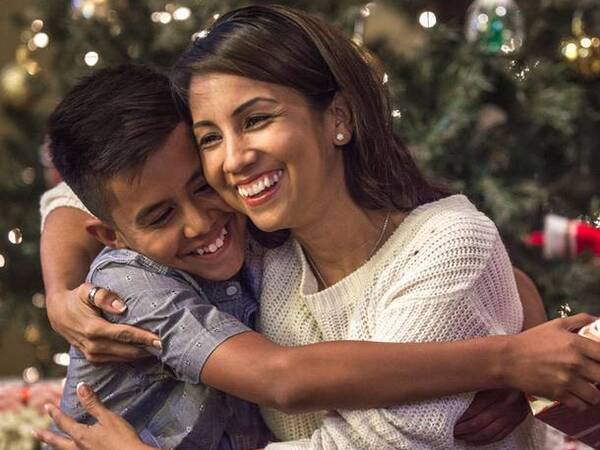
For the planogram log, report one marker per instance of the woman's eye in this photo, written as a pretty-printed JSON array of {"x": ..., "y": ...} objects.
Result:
[
  {"x": 162, "y": 219},
  {"x": 254, "y": 121},
  {"x": 208, "y": 140}
]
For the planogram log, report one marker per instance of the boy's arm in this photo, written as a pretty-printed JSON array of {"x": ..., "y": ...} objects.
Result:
[{"x": 533, "y": 307}]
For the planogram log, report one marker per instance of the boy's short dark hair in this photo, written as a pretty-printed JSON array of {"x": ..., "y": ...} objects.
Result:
[{"x": 109, "y": 124}]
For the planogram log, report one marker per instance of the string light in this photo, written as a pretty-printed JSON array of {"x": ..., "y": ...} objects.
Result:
[
  {"x": 2, "y": 261},
  {"x": 182, "y": 13},
  {"x": 37, "y": 25},
  {"x": 396, "y": 114},
  {"x": 386, "y": 78},
  {"x": 41, "y": 40},
  {"x": 15, "y": 236},
  {"x": 427, "y": 19},
  {"x": 31, "y": 375},
  {"x": 38, "y": 300},
  {"x": 61, "y": 359},
  {"x": 91, "y": 58}
]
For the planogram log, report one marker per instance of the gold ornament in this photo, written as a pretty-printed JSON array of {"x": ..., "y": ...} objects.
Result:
[
  {"x": 16, "y": 85},
  {"x": 582, "y": 50}
]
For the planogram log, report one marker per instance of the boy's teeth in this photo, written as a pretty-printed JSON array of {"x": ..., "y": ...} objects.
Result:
[
  {"x": 211, "y": 248},
  {"x": 260, "y": 185}
]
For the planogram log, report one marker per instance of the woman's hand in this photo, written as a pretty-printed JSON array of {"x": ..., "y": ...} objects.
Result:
[
  {"x": 110, "y": 432},
  {"x": 492, "y": 416},
  {"x": 80, "y": 324},
  {"x": 552, "y": 361}
]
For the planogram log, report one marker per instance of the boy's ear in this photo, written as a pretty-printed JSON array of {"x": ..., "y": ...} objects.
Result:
[{"x": 104, "y": 232}]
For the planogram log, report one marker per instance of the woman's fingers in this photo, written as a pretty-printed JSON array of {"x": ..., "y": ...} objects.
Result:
[
  {"x": 128, "y": 334},
  {"x": 577, "y": 321},
  {"x": 586, "y": 392},
  {"x": 54, "y": 440},
  {"x": 102, "y": 298},
  {"x": 103, "y": 350}
]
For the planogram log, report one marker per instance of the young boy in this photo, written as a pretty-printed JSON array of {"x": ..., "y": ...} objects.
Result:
[{"x": 118, "y": 140}]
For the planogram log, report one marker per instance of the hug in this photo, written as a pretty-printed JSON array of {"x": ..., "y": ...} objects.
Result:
[{"x": 268, "y": 268}]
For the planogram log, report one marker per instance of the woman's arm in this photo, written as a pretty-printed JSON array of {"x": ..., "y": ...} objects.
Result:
[
  {"x": 533, "y": 306},
  {"x": 66, "y": 253},
  {"x": 353, "y": 374}
]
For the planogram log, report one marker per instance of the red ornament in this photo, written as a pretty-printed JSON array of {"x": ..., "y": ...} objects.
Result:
[{"x": 563, "y": 237}]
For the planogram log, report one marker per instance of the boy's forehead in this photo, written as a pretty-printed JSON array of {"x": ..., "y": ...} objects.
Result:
[{"x": 164, "y": 175}]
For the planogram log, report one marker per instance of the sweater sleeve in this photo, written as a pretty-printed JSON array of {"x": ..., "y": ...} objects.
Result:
[
  {"x": 59, "y": 196},
  {"x": 457, "y": 284}
]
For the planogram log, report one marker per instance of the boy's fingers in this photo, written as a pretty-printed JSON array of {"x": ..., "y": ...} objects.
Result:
[
  {"x": 54, "y": 440},
  {"x": 90, "y": 402},
  {"x": 64, "y": 422}
]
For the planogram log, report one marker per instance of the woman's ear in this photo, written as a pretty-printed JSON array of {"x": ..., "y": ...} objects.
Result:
[
  {"x": 105, "y": 233},
  {"x": 342, "y": 116}
]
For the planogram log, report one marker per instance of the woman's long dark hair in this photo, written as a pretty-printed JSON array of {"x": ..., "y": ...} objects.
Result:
[{"x": 284, "y": 46}]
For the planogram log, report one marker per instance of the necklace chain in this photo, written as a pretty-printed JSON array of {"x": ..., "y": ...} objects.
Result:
[{"x": 371, "y": 253}]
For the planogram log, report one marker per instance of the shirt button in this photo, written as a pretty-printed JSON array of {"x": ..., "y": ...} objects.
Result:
[{"x": 231, "y": 290}]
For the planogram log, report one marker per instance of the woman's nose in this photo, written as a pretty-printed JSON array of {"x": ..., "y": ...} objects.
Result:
[{"x": 239, "y": 155}]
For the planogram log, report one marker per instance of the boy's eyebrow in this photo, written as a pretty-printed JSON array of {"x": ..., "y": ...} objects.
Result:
[
  {"x": 148, "y": 210},
  {"x": 237, "y": 111}
]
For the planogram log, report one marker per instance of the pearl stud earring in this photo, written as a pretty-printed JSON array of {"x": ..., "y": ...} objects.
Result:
[{"x": 339, "y": 136}]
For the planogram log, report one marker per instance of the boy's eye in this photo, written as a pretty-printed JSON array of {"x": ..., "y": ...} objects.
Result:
[
  {"x": 208, "y": 140},
  {"x": 255, "y": 121},
  {"x": 203, "y": 189},
  {"x": 162, "y": 219}
]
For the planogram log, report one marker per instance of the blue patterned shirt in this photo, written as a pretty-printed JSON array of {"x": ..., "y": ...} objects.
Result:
[{"x": 162, "y": 396}]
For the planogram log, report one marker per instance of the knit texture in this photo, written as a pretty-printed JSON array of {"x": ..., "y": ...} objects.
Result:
[
  {"x": 443, "y": 275},
  {"x": 59, "y": 196}
]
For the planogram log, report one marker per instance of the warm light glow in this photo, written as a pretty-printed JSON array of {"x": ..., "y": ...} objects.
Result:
[
  {"x": 91, "y": 58},
  {"x": 62, "y": 359},
  {"x": 2, "y": 260},
  {"x": 396, "y": 114},
  {"x": 427, "y": 19},
  {"x": 386, "y": 78},
  {"x": 501, "y": 11},
  {"x": 38, "y": 300},
  {"x": 571, "y": 51},
  {"x": 37, "y": 25},
  {"x": 41, "y": 40},
  {"x": 182, "y": 13},
  {"x": 15, "y": 236},
  {"x": 31, "y": 375},
  {"x": 165, "y": 17},
  {"x": 586, "y": 42}
]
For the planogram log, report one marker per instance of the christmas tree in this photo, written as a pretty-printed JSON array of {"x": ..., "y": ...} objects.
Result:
[{"x": 497, "y": 102}]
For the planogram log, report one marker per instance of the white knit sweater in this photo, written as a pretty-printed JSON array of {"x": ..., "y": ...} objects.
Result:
[{"x": 443, "y": 275}]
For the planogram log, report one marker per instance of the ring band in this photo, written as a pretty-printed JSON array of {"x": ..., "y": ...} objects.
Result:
[{"x": 91, "y": 294}]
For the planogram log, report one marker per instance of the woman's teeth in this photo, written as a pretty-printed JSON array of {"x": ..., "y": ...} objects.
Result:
[
  {"x": 213, "y": 246},
  {"x": 259, "y": 185}
]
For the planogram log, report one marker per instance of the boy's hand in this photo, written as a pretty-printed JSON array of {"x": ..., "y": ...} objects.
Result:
[
  {"x": 73, "y": 317},
  {"x": 492, "y": 416},
  {"x": 110, "y": 432}
]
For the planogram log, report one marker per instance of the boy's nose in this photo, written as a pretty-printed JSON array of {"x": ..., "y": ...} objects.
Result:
[{"x": 197, "y": 223}]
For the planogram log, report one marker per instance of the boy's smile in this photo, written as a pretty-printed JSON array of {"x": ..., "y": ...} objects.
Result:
[{"x": 166, "y": 211}]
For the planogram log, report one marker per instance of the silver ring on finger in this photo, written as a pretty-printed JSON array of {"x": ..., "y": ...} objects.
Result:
[{"x": 91, "y": 295}]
